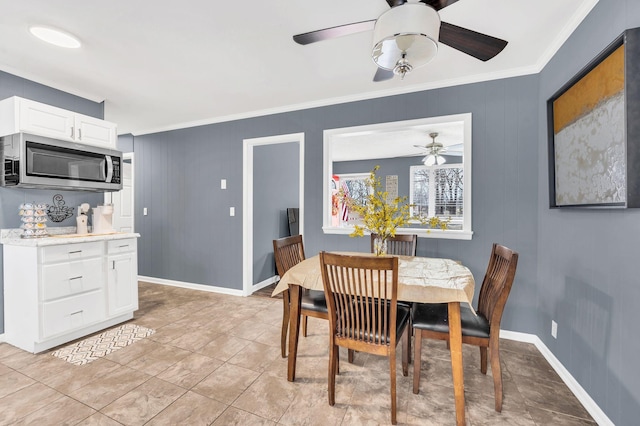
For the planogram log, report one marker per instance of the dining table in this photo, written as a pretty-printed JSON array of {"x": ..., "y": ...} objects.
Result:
[{"x": 420, "y": 279}]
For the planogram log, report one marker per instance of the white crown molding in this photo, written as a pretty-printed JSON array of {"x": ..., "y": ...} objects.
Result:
[
  {"x": 63, "y": 88},
  {"x": 536, "y": 68},
  {"x": 571, "y": 25}
]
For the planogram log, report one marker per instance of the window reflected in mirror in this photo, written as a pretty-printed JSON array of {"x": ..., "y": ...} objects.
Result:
[{"x": 427, "y": 160}]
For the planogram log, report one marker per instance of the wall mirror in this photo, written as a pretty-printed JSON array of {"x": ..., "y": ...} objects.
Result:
[{"x": 428, "y": 160}]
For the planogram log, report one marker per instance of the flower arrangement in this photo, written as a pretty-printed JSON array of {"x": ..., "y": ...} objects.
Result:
[{"x": 382, "y": 216}]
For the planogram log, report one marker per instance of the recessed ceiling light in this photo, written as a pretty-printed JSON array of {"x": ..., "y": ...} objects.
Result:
[{"x": 55, "y": 37}]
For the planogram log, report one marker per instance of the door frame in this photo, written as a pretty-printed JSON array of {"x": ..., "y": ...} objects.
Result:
[{"x": 247, "y": 195}]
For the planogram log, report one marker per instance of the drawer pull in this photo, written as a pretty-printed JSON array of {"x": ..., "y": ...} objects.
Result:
[
  {"x": 76, "y": 278},
  {"x": 75, "y": 252},
  {"x": 76, "y": 313},
  {"x": 123, "y": 246}
]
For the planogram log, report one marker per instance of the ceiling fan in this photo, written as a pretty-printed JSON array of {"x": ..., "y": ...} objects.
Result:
[
  {"x": 407, "y": 36},
  {"x": 434, "y": 151}
]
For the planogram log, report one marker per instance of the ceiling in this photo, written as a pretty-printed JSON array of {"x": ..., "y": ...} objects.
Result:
[
  {"x": 161, "y": 64},
  {"x": 402, "y": 140}
]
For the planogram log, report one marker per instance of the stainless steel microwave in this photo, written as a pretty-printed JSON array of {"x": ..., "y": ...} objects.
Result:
[{"x": 32, "y": 161}]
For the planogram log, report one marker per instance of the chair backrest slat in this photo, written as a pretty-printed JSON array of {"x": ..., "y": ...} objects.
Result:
[
  {"x": 288, "y": 252},
  {"x": 497, "y": 283},
  {"x": 362, "y": 295},
  {"x": 400, "y": 244}
]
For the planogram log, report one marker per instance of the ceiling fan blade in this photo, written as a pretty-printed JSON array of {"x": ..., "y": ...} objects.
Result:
[
  {"x": 382, "y": 75},
  {"x": 478, "y": 45},
  {"x": 333, "y": 32},
  {"x": 438, "y": 4}
]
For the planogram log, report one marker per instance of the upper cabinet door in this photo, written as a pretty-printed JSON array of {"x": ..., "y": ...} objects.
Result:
[
  {"x": 24, "y": 115},
  {"x": 46, "y": 120},
  {"x": 95, "y": 131}
]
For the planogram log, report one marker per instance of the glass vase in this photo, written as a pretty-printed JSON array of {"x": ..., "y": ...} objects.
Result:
[{"x": 380, "y": 246}]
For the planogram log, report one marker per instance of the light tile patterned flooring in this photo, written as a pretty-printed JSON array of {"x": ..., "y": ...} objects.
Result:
[{"x": 215, "y": 359}]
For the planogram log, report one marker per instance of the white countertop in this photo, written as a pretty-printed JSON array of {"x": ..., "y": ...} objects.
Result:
[{"x": 57, "y": 236}]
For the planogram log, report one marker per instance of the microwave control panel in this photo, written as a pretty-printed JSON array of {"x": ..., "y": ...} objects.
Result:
[{"x": 116, "y": 170}]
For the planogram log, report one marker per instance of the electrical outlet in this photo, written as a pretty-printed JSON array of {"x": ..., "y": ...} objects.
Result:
[
  {"x": 232, "y": 211},
  {"x": 144, "y": 211},
  {"x": 223, "y": 184},
  {"x": 554, "y": 329}
]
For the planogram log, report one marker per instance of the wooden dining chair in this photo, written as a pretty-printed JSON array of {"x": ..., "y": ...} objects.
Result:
[
  {"x": 483, "y": 330},
  {"x": 364, "y": 315},
  {"x": 400, "y": 244},
  {"x": 289, "y": 251}
]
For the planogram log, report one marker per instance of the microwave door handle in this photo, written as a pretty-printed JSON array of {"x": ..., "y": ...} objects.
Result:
[{"x": 109, "y": 165}]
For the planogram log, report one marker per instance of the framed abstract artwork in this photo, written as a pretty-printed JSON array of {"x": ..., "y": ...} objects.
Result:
[{"x": 594, "y": 131}]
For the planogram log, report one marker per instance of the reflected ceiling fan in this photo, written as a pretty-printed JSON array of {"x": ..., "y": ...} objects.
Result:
[
  {"x": 406, "y": 37},
  {"x": 435, "y": 150}
]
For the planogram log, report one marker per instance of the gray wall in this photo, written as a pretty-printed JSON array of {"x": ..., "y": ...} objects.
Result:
[
  {"x": 576, "y": 266},
  {"x": 178, "y": 177},
  {"x": 10, "y": 199},
  {"x": 587, "y": 259},
  {"x": 275, "y": 187},
  {"x": 125, "y": 142}
]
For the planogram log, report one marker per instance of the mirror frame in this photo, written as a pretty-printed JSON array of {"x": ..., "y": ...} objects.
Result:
[{"x": 330, "y": 135}]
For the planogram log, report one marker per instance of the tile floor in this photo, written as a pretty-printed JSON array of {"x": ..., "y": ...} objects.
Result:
[{"x": 215, "y": 359}]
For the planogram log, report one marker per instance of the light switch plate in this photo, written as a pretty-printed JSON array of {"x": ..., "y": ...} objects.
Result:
[
  {"x": 223, "y": 184},
  {"x": 144, "y": 211},
  {"x": 232, "y": 211}
]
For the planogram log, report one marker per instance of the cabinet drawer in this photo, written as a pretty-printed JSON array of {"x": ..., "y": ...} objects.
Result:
[
  {"x": 74, "y": 312},
  {"x": 67, "y": 252},
  {"x": 65, "y": 279},
  {"x": 122, "y": 246}
]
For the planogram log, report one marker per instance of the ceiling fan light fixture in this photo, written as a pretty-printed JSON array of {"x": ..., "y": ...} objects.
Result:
[
  {"x": 429, "y": 160},
  {"x": 406, "y": 37},
  {"x": 433, "y": 159}
]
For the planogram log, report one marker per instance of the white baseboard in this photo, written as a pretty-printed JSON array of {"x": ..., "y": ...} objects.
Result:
[
  {"x": 265, "y": 283},
  {"x": 2, "y": 338},
  {"x": 589, "y": 404},
  {"x": 192, "y": 286}
]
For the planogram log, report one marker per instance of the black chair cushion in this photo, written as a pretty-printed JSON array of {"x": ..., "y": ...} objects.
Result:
[
  {"x": 313, "y": 300},
  {"x": 435, "y": 317},
  {"x": 403, "y": 315}
]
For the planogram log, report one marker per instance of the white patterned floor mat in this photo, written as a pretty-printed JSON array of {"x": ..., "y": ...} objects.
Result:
[{"x": 92, "y": 348}]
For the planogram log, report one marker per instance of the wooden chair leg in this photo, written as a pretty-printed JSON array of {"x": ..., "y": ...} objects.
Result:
[
  {"x": 392, "y": 371},
  {"x": 351, "y": 353},
  {"x": 496, "y": 371},
  {"x": 483, "y": 360},
  {"x": 304, "y": 325},
  {"x": 333, "y": 358},
  {"x": 285, "y": 323},
  {"x": 417, "y": 363}
]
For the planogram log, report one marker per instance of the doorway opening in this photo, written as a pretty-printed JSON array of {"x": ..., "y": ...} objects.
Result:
[{"x": 251, "y": 212}]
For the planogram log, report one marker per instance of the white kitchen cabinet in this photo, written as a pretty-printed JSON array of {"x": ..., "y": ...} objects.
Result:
[
  {"x": 24, "y": 115},
  {"x": 93, "y": 131},
  {"x": 62, "y": 290},
  {"x": 122, "y": 273}
]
